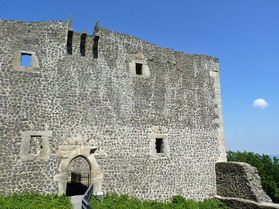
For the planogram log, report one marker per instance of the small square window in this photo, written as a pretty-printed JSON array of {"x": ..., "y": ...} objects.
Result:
[
  {"x": 25, "y": 60},
  {"x": 159, "y": 145},
  {"x": 138, "y": 68}
]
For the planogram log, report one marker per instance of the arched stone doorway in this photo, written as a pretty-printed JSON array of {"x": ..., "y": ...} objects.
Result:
[
  {"x": 95, "y": 176},
  {"x": 79, "y": 179}
]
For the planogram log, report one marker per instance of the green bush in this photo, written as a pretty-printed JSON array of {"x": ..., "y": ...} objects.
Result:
[
  {"x": 114, "y": 201},
  {"x": 34, "y": 201},
  {"x": 268, "y": 170}
]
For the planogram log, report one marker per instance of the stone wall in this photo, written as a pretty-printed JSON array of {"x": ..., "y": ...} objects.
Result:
[
  {"x": 239, "y": 203},
  {"x": 100, "y": 102},
  {"x": 239, "y": 180},
  {"x": 239, "y": 186},
  {"x": 28, "y": 103}
]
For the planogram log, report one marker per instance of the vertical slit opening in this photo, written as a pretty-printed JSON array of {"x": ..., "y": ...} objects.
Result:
[
  {"x": 159, "y": 145},
  {"x": 138, "y": 68},
  {"x": 82, "y": 44},
  {"x": 69, "y": 42},
  {"x": 95, "y": 47}
]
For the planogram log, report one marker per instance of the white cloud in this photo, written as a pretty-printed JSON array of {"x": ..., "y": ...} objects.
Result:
[{"x": 261, "y": 103}]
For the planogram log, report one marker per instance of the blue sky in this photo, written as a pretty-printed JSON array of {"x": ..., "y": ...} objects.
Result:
[{"x": 243, "y": 34}]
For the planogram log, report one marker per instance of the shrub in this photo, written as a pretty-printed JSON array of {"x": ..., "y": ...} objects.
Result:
[
  {"x": 114, "y": 201},
  {"x": 34, "y": 201}
]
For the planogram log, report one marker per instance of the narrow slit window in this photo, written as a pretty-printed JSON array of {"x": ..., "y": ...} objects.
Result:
[
  {"x": 138, "y": 68},
  {"x": 159, "y": 145},
  {"x": 25, "y": 60}
]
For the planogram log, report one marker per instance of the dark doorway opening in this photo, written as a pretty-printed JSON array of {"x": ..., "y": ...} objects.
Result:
[{"x": 78, "y": 176}]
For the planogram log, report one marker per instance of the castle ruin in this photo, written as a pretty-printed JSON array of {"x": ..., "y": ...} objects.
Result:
[{"x": 107, "y": 109}]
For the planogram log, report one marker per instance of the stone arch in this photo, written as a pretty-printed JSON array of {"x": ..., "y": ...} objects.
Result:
[{"x": 96, "y": 175}]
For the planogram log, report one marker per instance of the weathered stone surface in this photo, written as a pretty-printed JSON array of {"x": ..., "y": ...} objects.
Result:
[
  {"x": 239, "y": 203},
  {"x": 239, "y": 180},
  {"x": 93, "y": 98}
]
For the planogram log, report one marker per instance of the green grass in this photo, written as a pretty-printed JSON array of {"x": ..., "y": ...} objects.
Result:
[
  {"x": 114, "y": 201},
  {"x": 34, "y": 201}
]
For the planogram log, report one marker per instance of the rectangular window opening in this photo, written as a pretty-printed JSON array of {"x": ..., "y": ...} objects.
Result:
[
  {"x": 35, "y": 145},
  {"x": 138, "y": 68},
  {"x": 25, "y": 60},
  {"x": 159, "y": 145}
]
